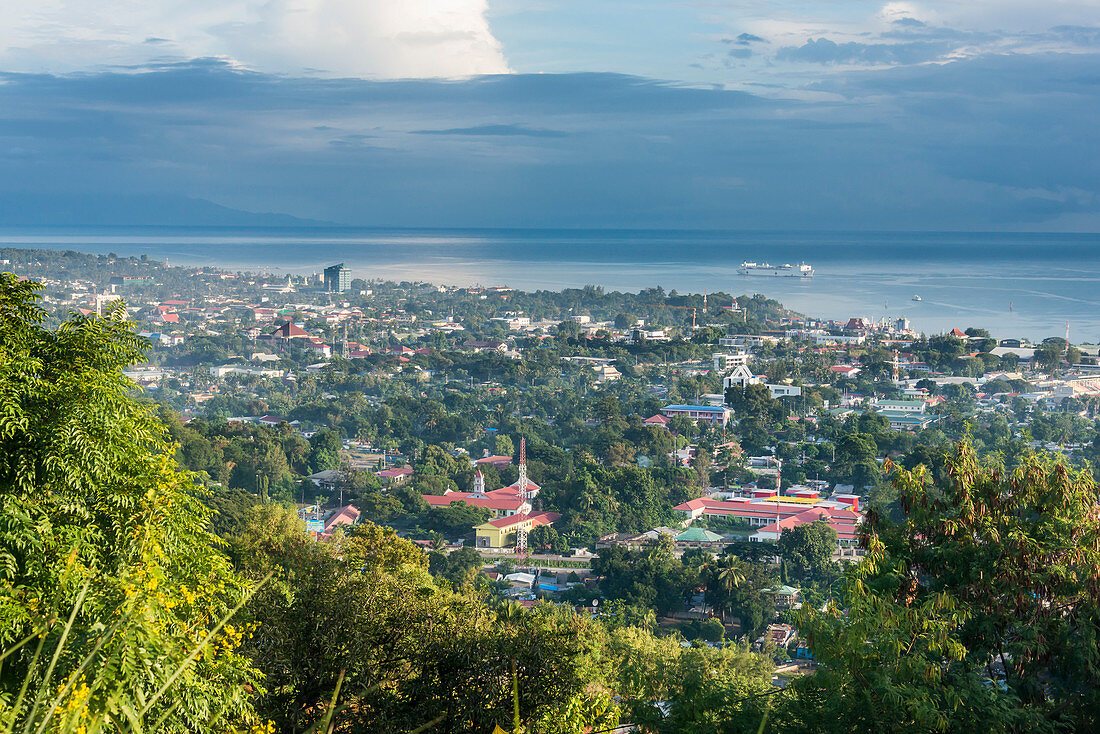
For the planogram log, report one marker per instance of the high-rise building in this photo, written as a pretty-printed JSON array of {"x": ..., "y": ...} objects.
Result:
[{"x": 337, "y": 278}]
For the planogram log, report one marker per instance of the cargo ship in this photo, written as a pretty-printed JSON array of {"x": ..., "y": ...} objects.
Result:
[{"x": 802, "y": 270}]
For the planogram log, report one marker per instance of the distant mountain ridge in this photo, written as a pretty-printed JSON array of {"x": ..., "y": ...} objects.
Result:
[{"x": 62, "y": 210}]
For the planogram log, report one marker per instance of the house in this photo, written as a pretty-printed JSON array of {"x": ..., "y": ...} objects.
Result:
[
  {"x": 395, "y": 475},
  {"x": 844, "y": 522},
  {"x": 900, "y": 406},
  {"x": 327, "y": 479},
  {"x": 319, "y": 348},
  {"x": 501, "y": 532},
  {"x": 288, "y": 332},
  {"x": 905, "y": 415},
  {"x": 785, "y": 597},
  {"x": 696, "y": 413},
  {"x": 845, "y": 370},
  {"x": 498, "y": 462},
  {"x": 606, "y": 373},
  {"x": 857, "y": 324},
  {"x": 657, "y": 420},
  {"x": 473, "y": 345},
  {"x": 695, "y": 537},
  {"x": 777, "y": 635},
  {"x": 345, "y": 516},
  {"x": 742, "y": 377}
]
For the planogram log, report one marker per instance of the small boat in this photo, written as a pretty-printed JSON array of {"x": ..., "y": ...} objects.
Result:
[{"x": 917, "y": 298}]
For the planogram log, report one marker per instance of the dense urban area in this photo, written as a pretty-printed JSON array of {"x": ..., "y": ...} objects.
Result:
[{"x": 332, "y": 501}]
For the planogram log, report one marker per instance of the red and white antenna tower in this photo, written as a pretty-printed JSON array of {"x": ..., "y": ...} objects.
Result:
[
  {"x": 778, "y": 490},
  {"x": 522, "y": 483},
  {"x": 524, "y": 495}
]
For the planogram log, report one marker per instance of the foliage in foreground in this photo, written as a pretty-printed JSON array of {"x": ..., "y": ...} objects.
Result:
[
  {"x": 107, "y": 572},
  {"x": 979, "y": 611}
]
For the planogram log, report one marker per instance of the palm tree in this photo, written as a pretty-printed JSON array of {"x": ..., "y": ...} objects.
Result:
[{"x": 729, "y": 574}]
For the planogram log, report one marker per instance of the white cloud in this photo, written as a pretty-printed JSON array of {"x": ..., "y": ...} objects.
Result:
[
  {"x": 896, "y": 11},
  {"x": 364, "y": 38}
]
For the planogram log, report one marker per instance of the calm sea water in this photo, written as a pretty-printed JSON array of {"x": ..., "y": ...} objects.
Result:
[{"x": 1026, "y": 285}]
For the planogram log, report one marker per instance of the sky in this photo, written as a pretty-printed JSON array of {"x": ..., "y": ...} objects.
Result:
[{"x": 758, "y": 114}]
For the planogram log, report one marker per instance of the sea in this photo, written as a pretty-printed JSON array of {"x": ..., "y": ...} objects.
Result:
[{"x": 1016, "y": 285}]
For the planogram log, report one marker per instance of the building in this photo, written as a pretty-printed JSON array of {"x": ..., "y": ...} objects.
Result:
[
  {"x": 724, "y": 362},
  {"x": 288, "y": 332},
  {"x": 497, "y": 462},
  {"x": 696, "y": 413},
  {"x": 742, "y": 377},
  {"x": 474, "y": 345},
  {"x": 606, "y": 373},
  {"x": 337, "y": 278},
  {"x": 130, "y": 282},
  {"x": 501, "y": 532},
  {"x": 345, "y": 516},
  {"x": 515, "y": 499},
  {"x": 395, "y": 475},
  {"x": 905, "y": 415},
  {"x": 770, "y": 516}
]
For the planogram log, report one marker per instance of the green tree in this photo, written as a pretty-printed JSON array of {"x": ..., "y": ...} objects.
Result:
[
  {"x": 808, "y": 550},
  {"x": 324, "y": 450},
  {"x": 364, "y": 613},
  {"x": 98, "y": 521},
  {"x": 625, "y": 320},
  {"x": 455, "y": 519},
  {"x": 504, "y": 445},
  {"x": 980, "y": 610}
]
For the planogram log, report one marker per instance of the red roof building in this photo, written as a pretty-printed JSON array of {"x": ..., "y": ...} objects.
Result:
[
  {"x": 290, "y": 331},
  {"x": 497, "y": 461},
  {"x": 395, "y": 475},
  {"x": 500, "y": 506},
  {"x": 347, "y": 515},
  {"x": 772, "y": 516}
]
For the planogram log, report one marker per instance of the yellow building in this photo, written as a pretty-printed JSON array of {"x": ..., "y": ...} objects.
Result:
[{"x": 500, "y": 532}]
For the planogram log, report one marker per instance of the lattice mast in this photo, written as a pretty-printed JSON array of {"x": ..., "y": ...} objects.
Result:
[{"x": 522, "y": 485}]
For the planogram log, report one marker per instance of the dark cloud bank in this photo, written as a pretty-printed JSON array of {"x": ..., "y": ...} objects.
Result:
[{"x": 997, "y": 142}]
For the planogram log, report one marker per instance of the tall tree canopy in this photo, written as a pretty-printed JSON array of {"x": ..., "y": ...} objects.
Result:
[
  {"x": 98, "y": 522},
  {"x": 980, "y": 610}
]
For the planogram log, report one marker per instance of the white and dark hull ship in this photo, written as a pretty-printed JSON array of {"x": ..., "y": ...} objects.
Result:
[{"x": 802, "y": 270}]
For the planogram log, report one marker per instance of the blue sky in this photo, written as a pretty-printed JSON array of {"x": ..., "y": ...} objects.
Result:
[{"x": 554, "y": 113}]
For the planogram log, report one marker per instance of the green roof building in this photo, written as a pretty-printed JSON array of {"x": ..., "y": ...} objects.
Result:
[{"x": 698, "y": 535}]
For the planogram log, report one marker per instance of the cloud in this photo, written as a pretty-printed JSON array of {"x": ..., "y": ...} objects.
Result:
[
  {"x": 496, "y": 130},
  {"x": 1084, "y": 36},
  {"x": 361, "y": 38},
  {"x": 990, "y": 142},
  {"x": 825, "y": 51}
]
